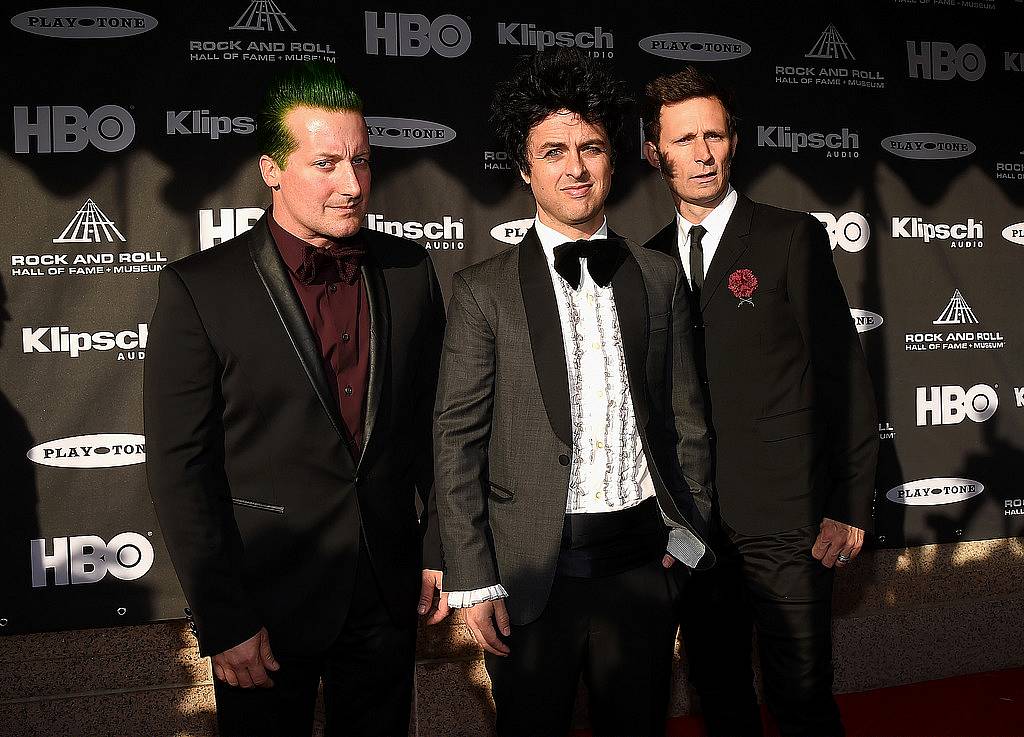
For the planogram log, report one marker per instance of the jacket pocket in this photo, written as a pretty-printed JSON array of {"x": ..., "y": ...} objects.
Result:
[
  {"x": 659, "y": 322},
  {"x": 499, "y": 493},
  {"x": 788, "y": 425},
  {"x": 257, "y": 505}
]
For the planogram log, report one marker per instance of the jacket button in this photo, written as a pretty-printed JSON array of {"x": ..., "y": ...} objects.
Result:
[{"x": 563, "y": 459}]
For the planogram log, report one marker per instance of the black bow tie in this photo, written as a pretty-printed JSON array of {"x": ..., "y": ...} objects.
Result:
[
  {"x": 604, "y": 256},
  {"x": 339, "y": 261}
]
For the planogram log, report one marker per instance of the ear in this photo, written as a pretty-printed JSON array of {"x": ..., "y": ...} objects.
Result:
[
  {"x": 526, "y": 176},
  {"x": 651, "y": 154},
  {"x": 271, "y": 172}
]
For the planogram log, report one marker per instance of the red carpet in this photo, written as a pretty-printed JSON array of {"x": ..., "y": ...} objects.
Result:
[{"x": 980, "y": 705}]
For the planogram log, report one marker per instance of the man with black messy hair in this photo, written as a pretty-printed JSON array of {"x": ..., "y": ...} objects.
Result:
[{"x": 570, "y": 446}]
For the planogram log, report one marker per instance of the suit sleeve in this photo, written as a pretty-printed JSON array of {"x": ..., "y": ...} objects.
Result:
[
  {"x": 425, "y": 393},
  {"x": 691, "y": 430},
  {"x": 185, "y": 469},
  {"x": 843, "y": 391},
  {"x": 462, "y": 428}
]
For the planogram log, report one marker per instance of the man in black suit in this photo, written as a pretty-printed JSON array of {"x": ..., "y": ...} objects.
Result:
[
  {"x": 571, "y": 450},
  {"x": 289, "y": 385},
  {"x": 792, "y": 419}
]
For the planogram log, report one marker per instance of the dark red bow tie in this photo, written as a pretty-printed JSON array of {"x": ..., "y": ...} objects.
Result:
[{"x": 323, "y": 264}]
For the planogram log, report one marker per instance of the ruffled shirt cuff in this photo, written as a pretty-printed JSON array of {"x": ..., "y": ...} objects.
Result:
[{"x": 463, "y": 599}]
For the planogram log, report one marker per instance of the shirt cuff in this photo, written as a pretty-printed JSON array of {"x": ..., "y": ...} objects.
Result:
[
  {"x": 685, "y": 547},
  {"x": 463, "y": 599}
]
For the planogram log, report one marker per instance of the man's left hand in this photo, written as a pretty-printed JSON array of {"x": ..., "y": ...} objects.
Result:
[
  {"x": 837, "y": 543},
  {"x": 433, "y": 602}
]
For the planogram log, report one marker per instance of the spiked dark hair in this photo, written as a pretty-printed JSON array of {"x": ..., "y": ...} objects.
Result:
[{"x": 548, "y": 81}]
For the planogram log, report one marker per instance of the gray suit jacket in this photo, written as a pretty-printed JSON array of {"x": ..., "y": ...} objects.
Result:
[{"x": 502, "y": 429}]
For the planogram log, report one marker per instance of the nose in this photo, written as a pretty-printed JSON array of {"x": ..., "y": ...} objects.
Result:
[
  {"x": 347, "y": 181},
  {"x": 702, "y": 152},
  {"x": 575, "y": 166}
]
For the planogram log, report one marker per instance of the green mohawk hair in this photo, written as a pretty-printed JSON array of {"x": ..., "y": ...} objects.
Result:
[{"x": 315, "y": 84}]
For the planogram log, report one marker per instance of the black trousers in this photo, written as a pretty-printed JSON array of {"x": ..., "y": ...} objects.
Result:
[
  {"x": 618, "y": 631},
  {"x": 367, "y": 678},
  {"x": 773, "y": 584}
]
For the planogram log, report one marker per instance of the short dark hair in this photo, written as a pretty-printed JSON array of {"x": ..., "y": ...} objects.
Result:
[
  {"x": 316, "y": 84},
  {"x": 686, "y": 84},
  {"x": 548, "y": 81}
]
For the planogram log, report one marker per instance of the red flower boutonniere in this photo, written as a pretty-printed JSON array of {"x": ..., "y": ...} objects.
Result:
[{"x": 742, "y": 284}]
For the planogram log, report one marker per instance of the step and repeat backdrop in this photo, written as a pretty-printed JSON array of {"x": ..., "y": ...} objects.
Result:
[{"x": 127, "y": 140}]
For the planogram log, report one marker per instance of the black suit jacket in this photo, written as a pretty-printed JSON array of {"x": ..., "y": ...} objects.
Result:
[
  {"x": 260, "y": 501},
  {"x": 790, "y": 402}
]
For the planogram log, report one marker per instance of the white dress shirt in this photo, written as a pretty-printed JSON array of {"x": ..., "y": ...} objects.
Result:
[
  {"x": 714, "y": 223},
  {"x": 609, "y": 469}
]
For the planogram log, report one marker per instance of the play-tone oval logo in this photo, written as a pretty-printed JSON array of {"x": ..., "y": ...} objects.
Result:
[
  {"x": 932, "y": 492},
  {"x": 1014, "y": 233},
  {"x": 85, "y": 22},
  {"x": 105, "y": 450},
  {"x": 695, "y": 46},
  {"x": 512, "y": 232},
  {"x": 407, "y": 133},
  {"x": 865, "y": 320},
  {"x": 928, "y": 146}
]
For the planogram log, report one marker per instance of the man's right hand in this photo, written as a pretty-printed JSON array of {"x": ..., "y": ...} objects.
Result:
[
  {"x": 246, "y": 665},
  {"x": 479, "y": 618}
]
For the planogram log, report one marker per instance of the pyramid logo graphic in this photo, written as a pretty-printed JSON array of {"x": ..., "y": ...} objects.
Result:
[
  {"x": 957, "y": 312},
  {"x": 830, "y": 45},
  {"x": 89, "y": 225},
  {"x": 262, "y": 15}
]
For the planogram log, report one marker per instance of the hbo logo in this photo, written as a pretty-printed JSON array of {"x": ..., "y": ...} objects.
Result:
[
  {"x": 943, "y": 61},
  {"x": 69, "y": 129},
  {"x": 849, "y": 232},
  {"x": 949, "y": 405},
  {"x": 87, "y": 559},
  {"x": 411, "y": 34}
]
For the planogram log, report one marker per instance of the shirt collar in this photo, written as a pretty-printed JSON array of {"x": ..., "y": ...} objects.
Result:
[
  {"x": 292, "y": 248},
  {"x": 716, "y": 220},
  {"x": 550, "y": 238}
]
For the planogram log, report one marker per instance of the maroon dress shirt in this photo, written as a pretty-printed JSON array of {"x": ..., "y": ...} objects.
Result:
[{"x": 339, "y": 314}]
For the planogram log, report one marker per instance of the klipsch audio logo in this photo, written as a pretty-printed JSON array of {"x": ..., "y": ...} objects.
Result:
[
  {"x": 512, "y": 232},
  {"x": 843, "y": 144},
  {"x": 104, "y": 450},
  {"x": 849, "y": 231},
  {"x": 957, "y": 312},
  {"x": 70, "y": 129},
  {"x": 932, "y": 492},
  {"x": 447, "y": 234},
  {"x": 233, "y": 222},
  {"x": 695, "y": 46},
  {"x": 89, "y": 226},
  {"x": 88, "y": 559},
  {"x": 942, "y": 61},
  {"x": 261, "y": 17},
  {"x": 928, "y": 146},
  {"x": 84, "y": 22},
  {"x": 968, "y": 234},
  {"x": 597, "y": 40},
  {"x": 864, "y": 320},
  {"x": 129, "y": 344},
  {"x": 407, "y": 133},
  {"x": 412, "y": 34},
  {"x": 1013, "y": 61},
  {"x": 837, "y": 66},
  {"x": 200, "y": 122},
  {"x": 951, "y": 405}
]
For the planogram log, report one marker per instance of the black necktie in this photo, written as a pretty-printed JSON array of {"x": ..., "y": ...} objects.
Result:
[
  {"x": 604, "y": 256},
  {"x": 697, "y": 261}
]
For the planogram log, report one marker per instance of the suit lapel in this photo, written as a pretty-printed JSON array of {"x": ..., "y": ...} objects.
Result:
[
  {"x": 632, "y": 308},
  {"x": 274, "y": 275},
  {"x": 380, "y": 337},
  {"x": 735, "y": 241},
  {"x": 666, "y": 240},
  {"x": 545, "y": 334}
]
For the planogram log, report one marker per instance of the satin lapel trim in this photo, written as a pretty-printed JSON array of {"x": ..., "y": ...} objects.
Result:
[
  {"x": 380, "y": 337},
  {"x": 545, "y": 334},
  {"x": 734, "y": 242},
  {"x": 631, "y": 305},
  {"x": 274, "y": 275}
]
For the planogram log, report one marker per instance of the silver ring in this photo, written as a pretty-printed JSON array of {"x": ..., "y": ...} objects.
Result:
[{"x": 843, "y": 558}]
